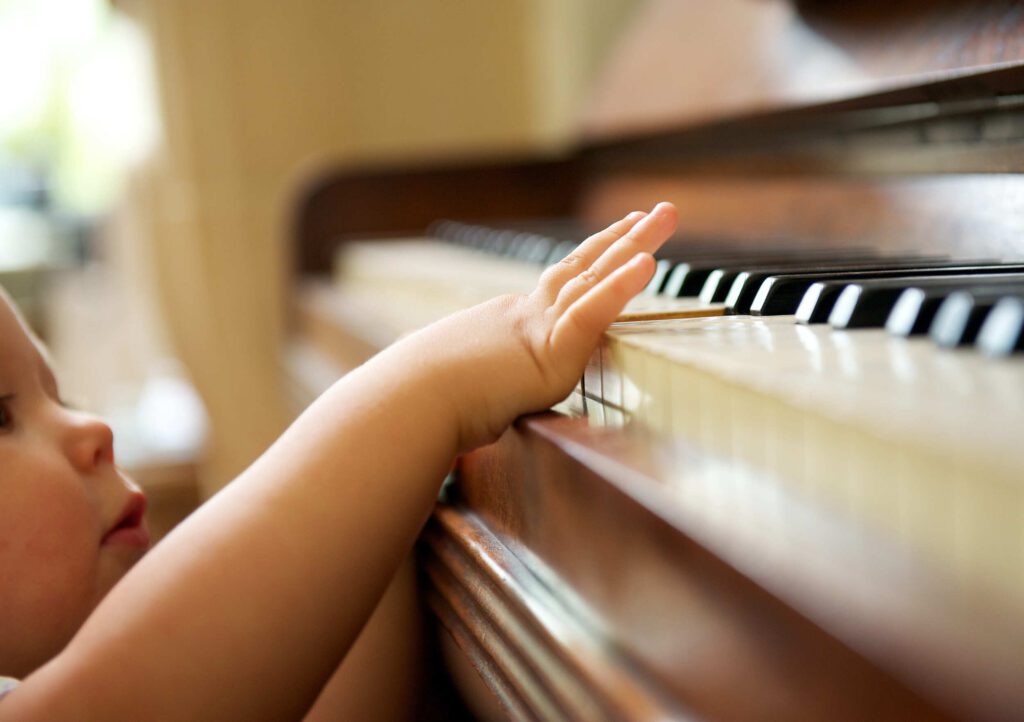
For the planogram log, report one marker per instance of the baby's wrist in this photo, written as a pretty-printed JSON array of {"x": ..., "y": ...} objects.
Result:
[{"x": 478, "y": 369}]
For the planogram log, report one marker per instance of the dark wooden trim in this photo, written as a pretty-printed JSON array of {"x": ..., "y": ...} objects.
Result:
[
  {"x": 541, "y": 660},
  {"x": 404, "y": 201},
  {"x": 444, "y": 607}
]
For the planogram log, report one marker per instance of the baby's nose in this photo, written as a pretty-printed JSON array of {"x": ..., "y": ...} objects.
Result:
[{"x": 90, "y": 442}]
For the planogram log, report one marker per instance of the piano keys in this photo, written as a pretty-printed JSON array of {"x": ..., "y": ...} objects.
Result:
[
  {"x": 869, "y": 303},
  {"x": 1002, "y": 332},
  {"x": 897, "y": 441},
  {"x": 959, "y": 317}
]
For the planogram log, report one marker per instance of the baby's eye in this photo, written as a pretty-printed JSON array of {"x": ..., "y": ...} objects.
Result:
[{"x": 5, "y": 412}]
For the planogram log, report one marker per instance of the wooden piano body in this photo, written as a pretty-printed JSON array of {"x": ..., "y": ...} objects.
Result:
[{"x": 570, "y": 564}]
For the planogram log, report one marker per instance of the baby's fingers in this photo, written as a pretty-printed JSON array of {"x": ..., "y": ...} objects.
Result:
[
  {"x": 646, "y": 236},
  {"x": 584, "y": 256},
  {"x": 580, "y": 327}
]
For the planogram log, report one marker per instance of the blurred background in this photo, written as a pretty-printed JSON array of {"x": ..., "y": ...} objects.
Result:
[{"x": 151, "y": 153}]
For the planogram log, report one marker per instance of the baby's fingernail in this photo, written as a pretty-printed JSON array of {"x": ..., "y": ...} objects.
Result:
[
  {"x": 662, "y": 211},
  {"x": 635, "y": 216}
]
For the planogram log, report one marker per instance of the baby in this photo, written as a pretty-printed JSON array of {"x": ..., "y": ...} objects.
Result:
[{"x": 246, "y": 609}]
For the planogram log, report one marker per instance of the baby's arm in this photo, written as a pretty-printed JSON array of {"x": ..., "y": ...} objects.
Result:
[{"x": 246, "y": 609}]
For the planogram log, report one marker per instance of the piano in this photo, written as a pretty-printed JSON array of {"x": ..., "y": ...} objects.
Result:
[{"x": 790, "y": 484}]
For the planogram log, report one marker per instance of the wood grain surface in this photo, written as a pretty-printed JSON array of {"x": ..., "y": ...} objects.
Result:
[
  {"x": 691, "y": 62},
  {"x": 592, "y": 510}
]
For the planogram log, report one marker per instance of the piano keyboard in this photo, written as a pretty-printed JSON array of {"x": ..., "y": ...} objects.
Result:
[{"x": 832, "y": 372}]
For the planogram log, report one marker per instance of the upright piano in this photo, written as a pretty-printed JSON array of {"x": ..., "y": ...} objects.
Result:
[{"x": 745, "y": 511}]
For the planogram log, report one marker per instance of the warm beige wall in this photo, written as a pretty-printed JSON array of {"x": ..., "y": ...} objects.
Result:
[
  {"x": 569, "y": 42},
  {"x": 255, "y": 95}
]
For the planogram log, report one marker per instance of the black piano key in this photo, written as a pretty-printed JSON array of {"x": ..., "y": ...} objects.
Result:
[
  {"x": 813, "y": 307},
  {"x": 662, "y": 268},
  {"x": 784, "y": 294},
  {"x": 1002, "y": 333},
  {"x": 716, "y": 288},
  {"x": 959, "y": 318},
  {"x": 672, "y": 269},
  {"x": 534, "y": 248},
  {"x": 863, "y": 307},
  {"x": 494, "y": 242},
  {"x": 507, "y": 243},
  {"x": 560, "y": 250},
  {"x": 666, "y": 262},
  {"x": 746, "y": 285},
  {"x": 816, "y": 303},
  {"x": 689, "y": 276},
  {"x": 478, "y": 236},
  {"x": 677, "y": 251},
  {"x": 686, "y": 279},
  {"x": 913, "y": 312},
  {"x": 867, "y": 304},
  {"x": 917, "y": 309},
  {"x": 720, "y": 281},
  {"x": 441, "y": 229},
  {"x": 461, "y": 234}
]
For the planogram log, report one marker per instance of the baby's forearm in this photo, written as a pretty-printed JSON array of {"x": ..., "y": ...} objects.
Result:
[
  {"x": 245, "y": 609},
  {"x": 281, "y": 568}
]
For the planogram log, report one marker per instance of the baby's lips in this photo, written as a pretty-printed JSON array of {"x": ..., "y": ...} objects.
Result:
[{"x": 129, "y": 527}]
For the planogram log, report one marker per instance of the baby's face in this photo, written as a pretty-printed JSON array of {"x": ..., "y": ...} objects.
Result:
[{"x": 70, "y": 523}]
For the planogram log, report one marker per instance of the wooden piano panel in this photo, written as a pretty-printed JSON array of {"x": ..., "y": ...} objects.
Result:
[
  {"x": 391, "y": 201},
  {"x": 690, "y": 633},
  {"x": 688, "y": 62},
  {"x": 964, "y": 215}
]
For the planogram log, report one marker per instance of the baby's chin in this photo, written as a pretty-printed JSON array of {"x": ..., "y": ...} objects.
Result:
[{"x": 115, "y": 562}]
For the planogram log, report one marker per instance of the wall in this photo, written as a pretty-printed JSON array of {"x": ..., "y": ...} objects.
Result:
[{"x": 255, "y": 96}]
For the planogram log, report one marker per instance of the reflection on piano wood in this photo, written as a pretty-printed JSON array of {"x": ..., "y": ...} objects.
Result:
[{"x": 810, "y": 507}]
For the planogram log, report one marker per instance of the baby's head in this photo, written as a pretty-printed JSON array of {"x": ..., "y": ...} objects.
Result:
[{"x": 70, "y": 523}]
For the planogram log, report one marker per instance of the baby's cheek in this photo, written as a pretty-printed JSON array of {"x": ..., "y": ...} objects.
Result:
[{"x": 51, "y": 550}]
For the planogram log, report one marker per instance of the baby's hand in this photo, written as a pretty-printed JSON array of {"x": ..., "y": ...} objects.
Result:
[{"x": 517, "y": 354}]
